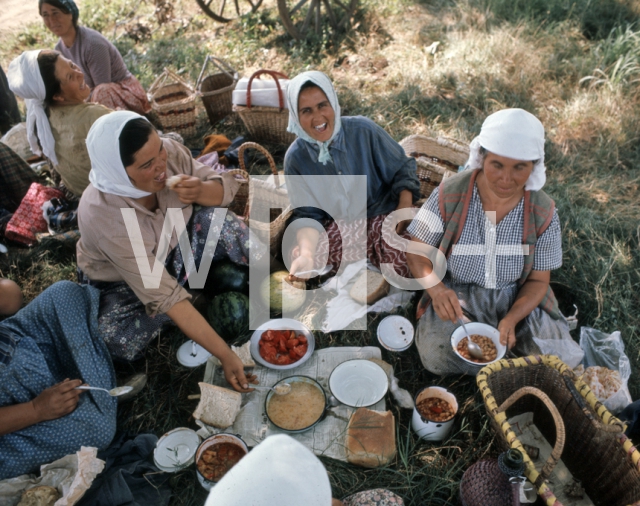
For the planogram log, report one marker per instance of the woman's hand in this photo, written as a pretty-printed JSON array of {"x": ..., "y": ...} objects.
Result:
[
  {"x": 405, "y": 200},
  {"x": 58, "y": 400},
  {"x": 300, "y": 263},
  {"x": 445, "y": 303},
  {"x": 234, "y": 373},
  {"x": 507, "y": 329},
  {"x": 189, "y": 189}
]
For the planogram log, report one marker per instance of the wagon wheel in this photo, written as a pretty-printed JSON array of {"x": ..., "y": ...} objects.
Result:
[
  {"x": 302, "y": 16},
  {"x": 226, "y": 10}
]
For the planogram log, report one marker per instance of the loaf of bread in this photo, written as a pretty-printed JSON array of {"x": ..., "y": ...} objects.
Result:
[
  {"x": 39, "y": 496},
  {"x": 369, "y": 287},
  {"x": 371, "y": 438},
  {"x": 218, "y": 406},
  {"x": 244, "y": 354}
]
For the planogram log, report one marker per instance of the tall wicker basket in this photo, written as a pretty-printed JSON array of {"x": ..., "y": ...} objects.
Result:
[
  {"x": 216, "y": 89},
  {"x": 264, "y": 197},
  {"x": 437, "y": 159},
  {"x": 266, "y": 124},
  {"x": 174, "y": 101},
  {"x": 594, "y": 449}
]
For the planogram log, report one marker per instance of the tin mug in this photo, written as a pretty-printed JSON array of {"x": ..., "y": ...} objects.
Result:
[{"x": 431, "y": 430}]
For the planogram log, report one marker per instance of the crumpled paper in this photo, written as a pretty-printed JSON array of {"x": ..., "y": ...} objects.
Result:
[
  {"x": 71, "y": 475},
  {"x": 401, "y": 396}
]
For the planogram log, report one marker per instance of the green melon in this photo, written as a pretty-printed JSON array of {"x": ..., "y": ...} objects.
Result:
[
  {"x": 228, "y": 314},
  {"x": 282, "y": 297},
  {"x": 226, "y": 276}
]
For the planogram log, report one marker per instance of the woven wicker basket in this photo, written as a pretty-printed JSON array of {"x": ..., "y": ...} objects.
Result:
[
  {"x": 437, "y": 159},
  {"x": 239, "y": 203},
  {"x": 266, "y": 124},
  {"x": 596, "y": 452},
  {"x": 263, "y": 199},
  {"x": 174, "y": 101},
  {"x": 216, "y": 89}
]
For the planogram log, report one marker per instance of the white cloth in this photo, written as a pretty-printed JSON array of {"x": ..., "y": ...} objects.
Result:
[
  {"x": 280, "y": 471},
  {"x": 514, "y": 133},
  {"x": 25, "y": 81},
  {"x": 103, "y": 143}
]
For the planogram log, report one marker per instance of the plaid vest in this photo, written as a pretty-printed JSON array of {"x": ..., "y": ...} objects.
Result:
[{"x": 455, "y": 198}]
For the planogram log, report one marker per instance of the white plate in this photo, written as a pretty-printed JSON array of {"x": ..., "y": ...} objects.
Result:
[
  {"x": 281, "y": 324},
  {"x": 176, "y": 449},
  {"x": 395, "y": 333},
  {"x": 358, "y": 383},
  {"x": 484, "y": 330}
]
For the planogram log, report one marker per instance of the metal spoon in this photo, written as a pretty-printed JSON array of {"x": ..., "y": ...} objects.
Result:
[
  {"x": 279, "y": 389},
  {"x": 114, "y": 392},
  {"x": 315, "y": 272},
  {"x": 474, "y": 350}
]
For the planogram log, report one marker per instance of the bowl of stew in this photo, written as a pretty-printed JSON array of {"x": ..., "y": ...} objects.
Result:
[
  {"x": 485, "y": 336},
  {"x": 216, "y": 455},
  {"x": 299, "y": 410}
]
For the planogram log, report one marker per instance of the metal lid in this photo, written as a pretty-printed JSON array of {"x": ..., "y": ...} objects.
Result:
[
  {"x": 176, "y": 449},
  {"x": 395, "y": 333}
]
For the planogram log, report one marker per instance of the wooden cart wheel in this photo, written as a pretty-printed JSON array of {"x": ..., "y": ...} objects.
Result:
[
  {"x": 226, "y": 10},
  {"x": 301, "y": 17}
]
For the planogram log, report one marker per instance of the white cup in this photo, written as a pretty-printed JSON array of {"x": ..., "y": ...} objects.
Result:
[{"x": 430, "y": 430}]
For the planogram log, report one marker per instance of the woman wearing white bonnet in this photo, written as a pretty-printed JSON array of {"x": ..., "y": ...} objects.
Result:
[
  {"x": 132, "y": 172},
  {"x": 509, "y": 231},
  {"x": 280, "y": 471}
]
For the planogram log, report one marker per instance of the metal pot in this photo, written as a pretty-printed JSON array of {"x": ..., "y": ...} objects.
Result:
[
  {"x": 212, "y": 441},
  {"x": 298, "y": 379}
]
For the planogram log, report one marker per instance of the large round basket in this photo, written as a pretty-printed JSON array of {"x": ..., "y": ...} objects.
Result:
[
  {"x": 216, "y": 89},
  {"x": 174, "y": 101}
]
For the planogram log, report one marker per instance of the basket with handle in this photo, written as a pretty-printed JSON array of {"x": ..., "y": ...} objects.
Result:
[
  {"x": 239, "y": 203},
  {"x": 437, "y": 159},
  {"x": 174, "y": 101},
  {"x": 590, "y": 439},
  {"x": 266, "y": 124},
  {"x": 266, "y": 202},
  {"x": 216, "y": 89}
]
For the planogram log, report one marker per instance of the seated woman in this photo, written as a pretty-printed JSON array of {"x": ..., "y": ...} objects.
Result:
[
  {"x": 130, "y": 168},
  {"x": 330, "y": 145},
  {"x": 498, "y": 207},
  {"x": 105, "y": 72},
  {"x": 284, "y": 472},
  {"x": 56, "y": 91},
  {"x": 48, "y": 349}
]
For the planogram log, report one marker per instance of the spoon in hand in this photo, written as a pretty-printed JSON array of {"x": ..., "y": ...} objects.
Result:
[
  {"x": 315, "y": 272},
  {"x": 474, "y": 350},
  {"x": 114, "y": 392},
  {"x": 280, "y": 389}
]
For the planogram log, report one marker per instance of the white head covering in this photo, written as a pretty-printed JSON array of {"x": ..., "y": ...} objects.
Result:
[
  {"x": 25, "y": 81},
  {"x": 293, "y": 92},
  {"x": 103, "y": 143},
  {"x": 514, "y": 133},
  {"x": 278, "y": 472}
]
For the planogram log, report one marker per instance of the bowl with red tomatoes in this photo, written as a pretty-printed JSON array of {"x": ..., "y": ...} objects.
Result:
[{"x": 282, "y": 344}]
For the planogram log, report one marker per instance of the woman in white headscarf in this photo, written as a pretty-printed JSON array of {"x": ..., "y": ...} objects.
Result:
[
  {"x": 331, "y": 145},
  {"x": 131, "y": 169},
  {"x": 280, "y": 471},
  {"x": 500, "y": 234}
]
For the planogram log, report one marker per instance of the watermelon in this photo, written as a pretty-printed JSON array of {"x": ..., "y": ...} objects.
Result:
[
  {"x": 225, "y": 276},
  {"x": 228, "y": 314},
  {"x": 281, "y": 297}
]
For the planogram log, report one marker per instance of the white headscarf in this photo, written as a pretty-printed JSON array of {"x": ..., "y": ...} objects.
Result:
[
  {"x": 25, "y": 81},
  {"x": 280, "y": 471},
  {"x": 293, "y": 92},
  {"x": 514, "y": 133},
  {"x": 103, "y": 143}
]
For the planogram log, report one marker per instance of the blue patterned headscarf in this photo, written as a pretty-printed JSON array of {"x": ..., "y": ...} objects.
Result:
[{"x": 293, "y": 92}]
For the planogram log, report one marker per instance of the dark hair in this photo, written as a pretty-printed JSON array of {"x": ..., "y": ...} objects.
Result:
[
  {"x": 133, "y": 137},
  {"x": 309, "y": 84},
  {"x": 484, "y": 152},
  {"x": 59, "y": 5},
  {"x": 47, "y": 59}
]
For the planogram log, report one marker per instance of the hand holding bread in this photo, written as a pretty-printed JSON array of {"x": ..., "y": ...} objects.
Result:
[{"x": 188, "y": 188}]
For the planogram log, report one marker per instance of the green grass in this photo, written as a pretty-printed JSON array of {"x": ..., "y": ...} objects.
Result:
[{"x": 572, "y": 63}]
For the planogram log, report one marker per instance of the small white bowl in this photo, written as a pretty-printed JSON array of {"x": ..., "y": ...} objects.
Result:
[
  {"x": 484, "y": 330},
  {"x": 281, "y": 324},
  {"x": 358, "y": 383}
]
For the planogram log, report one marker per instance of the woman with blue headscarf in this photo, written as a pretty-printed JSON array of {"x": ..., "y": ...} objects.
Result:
[{"x": 331, "y": 145}]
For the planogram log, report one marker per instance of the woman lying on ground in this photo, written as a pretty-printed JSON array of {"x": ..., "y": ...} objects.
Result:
[
  {"x": 130, "y": 169},
  {"x": 48, "y": 349},
  {"x": 496, "y": 205},
  {"x": 105, "y": 72},
  {"x": 330, "y": 145},
  {"x": 283, "y": 472},
  {"x": 55, "y": 91}
]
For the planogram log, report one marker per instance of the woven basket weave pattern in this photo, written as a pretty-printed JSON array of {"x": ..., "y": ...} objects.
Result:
[
  {"x": 174, "y": 101},
  {"x": 216, "y": 89}
]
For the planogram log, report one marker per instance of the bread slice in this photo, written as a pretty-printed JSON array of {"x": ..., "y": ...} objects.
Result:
[
  {"x": 369, "y": 287},
  {"x": 244, "y": 354},
  {"x": 173, "y": 181},
  {"x": 371, "y": 438},
  {"x": 218, "y": 406}
]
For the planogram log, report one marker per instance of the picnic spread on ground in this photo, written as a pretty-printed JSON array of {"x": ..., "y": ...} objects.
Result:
[{"x": 288, "y": 258}]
